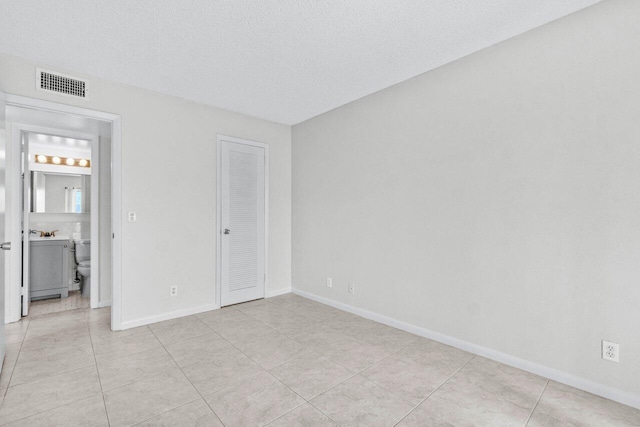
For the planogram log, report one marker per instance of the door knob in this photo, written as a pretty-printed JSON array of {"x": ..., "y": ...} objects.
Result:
[
  {"x": 227, "y": 231},
  {"x": 6, "y": 246}
]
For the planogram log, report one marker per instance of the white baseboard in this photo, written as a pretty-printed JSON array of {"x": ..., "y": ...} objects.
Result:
[
  {"x": 104, "y": 304},
  {"x": 168, "y": 316},
  {"x": 276, "y": 292},
  {"x": 593, "y": 387},
  {"x": 181, "y": 313}
]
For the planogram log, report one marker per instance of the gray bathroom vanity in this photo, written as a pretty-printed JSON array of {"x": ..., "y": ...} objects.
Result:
[{"x": 48, "y": 268}]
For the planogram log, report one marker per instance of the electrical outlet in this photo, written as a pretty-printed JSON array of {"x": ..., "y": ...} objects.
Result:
[
  {"x": 610, "y": 351},
  {"x": 132, "y": 217},
  {"x": 352, "y": 288},
  {"x": 329, "y": 282},
  {"x": 174, "y": 291}
]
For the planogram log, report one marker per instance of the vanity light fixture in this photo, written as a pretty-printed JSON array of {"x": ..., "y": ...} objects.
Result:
[{"x": 68, "y": 161}]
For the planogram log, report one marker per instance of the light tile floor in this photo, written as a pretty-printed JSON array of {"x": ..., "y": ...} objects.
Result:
[
  {"x": 285, "y": 361},
  {"x": 55, "y": 305}
]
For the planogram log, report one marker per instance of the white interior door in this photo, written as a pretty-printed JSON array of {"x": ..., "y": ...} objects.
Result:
[
  {"x": 26, "y": 227},
  {"x": 242, "y": 233},
  {"x": 5, "y": 245}
]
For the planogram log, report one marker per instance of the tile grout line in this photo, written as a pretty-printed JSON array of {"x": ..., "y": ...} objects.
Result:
[
  {"x": 52, "y": 376},
  {"x": 323, "y": 413},
  {"x": 436, "y": 389},
  {"x": 305, "y": 400},
  {"x": 357, "y": 372},
  {"x": 14, "y": 365},
  {"x": 186, "y": 377},
  {"x": 273, "y": 376},
  {"x": 261, "y": 367},
  {"x": 239, "y": 350},
  {"x": 17, "y": 358},
  {"x": 95, "y": 359},
  {"x": 537, "y": 402}
]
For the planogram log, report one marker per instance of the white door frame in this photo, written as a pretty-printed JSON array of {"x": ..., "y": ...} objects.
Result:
[
  {"x": 220, "y": 139},
  {"x": 116, "y": 186},
  {"x": 17, "y": 131}
]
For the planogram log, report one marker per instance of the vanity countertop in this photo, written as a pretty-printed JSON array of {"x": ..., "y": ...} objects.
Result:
[{"x": 40, "y": 239}]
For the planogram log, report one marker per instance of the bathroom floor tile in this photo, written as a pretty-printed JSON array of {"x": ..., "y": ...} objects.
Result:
[
  {"x": 72, "y": 302},
  {"x": 255, "y": 401},
  {"x": 358, "y": 401},
  {"x": 152, "y": 396},
  {"x": 49, "y": 393},
  {"x": 194, "y": 414}
]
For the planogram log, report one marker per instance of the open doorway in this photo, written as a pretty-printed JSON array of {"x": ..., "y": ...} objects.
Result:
[
  {"x": 62, "y": 221},
  {"x": 60, "y": 199}
]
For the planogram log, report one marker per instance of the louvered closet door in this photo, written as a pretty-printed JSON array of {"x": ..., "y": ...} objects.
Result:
[{"x": 243, "y": 222}]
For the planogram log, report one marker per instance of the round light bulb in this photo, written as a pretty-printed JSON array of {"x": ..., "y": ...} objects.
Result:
[
  {"x": 82, "y": 162},
  {"x": 41, "y": 158},
  {"x": 70, "y": 161},
  {"x": 56, "y": 160}
]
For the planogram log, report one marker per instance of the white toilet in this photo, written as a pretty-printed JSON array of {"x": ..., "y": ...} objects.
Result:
[{"x": 83, "y": 259}]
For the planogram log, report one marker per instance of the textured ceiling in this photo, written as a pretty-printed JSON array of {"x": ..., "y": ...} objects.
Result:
[{"x": 285, "y": 60}]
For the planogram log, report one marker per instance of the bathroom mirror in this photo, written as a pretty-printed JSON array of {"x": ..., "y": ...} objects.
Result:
[{"x": 60, "y": 192}]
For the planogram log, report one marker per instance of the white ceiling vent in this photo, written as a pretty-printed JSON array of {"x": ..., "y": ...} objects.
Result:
[{"x": 62, "y": 84}]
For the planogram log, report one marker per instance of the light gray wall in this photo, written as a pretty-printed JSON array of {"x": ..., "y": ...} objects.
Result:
[
  {"x": 495, "y": 200},
  {"x": 169, "y": 179}
]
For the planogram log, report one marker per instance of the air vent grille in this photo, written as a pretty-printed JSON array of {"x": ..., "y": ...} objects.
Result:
[{"x": 61, "y": 84}]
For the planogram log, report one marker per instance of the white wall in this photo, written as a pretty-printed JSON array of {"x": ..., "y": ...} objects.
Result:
[
  {"x": 494, "y": 200},
  {"x": 169, "y": 179}
]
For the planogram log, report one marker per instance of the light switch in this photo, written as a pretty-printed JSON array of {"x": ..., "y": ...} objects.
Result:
[{"x": 132, "y": 217}]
